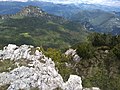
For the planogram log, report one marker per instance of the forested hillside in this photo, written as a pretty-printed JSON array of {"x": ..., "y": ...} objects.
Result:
[{"x": 35, "y": 27}]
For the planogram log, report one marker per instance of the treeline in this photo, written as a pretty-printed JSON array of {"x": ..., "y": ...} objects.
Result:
[{"x": 98, "y": 41}]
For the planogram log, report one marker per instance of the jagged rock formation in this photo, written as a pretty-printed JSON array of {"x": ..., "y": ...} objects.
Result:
[
  {"x": 70, "y": 85},
  {"x": 73, "y": 53},
  {"x": 32, "y": 11},
  {"x": 29, "y": 11},
  {"x": 39, "y": 72}
]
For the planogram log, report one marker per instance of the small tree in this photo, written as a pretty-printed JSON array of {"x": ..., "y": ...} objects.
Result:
[
  {"x": 85, "y": 50},
  {"x": 116, "y": 50}
]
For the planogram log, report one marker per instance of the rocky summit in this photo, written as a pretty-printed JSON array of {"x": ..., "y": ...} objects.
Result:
[
  {"x": 32, "y": 11},
  {"x": 37, "y": 72}
]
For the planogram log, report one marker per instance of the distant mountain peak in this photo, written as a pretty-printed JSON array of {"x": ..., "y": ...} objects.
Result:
[{"x": 32, "y": 11}]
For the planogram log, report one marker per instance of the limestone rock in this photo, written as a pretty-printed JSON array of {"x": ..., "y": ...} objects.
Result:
[
  {"x": 76, "y": 58},
  {"x": 73, "y": 53},
  {"x": 93, "y": 88},
  {"x": 14, "y": 52},
  {"x": 70, "y": 52},
  {"x": 74, "y": 83},
  {"x": 39, "y": 72}
]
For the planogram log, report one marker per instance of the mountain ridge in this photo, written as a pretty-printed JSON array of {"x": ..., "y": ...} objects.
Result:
[
  {"x": 99, "y": 21},
  {"x": 100, "y": 2},
  {"x": 40, "y": 29},
  {"x": 13, "y": 7}
]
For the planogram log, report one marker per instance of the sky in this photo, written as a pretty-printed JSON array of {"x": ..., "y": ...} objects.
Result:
[{"x": 103, "y": 2}]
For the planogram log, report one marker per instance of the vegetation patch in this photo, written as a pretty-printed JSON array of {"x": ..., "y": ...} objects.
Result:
[
  {"x": 5, "y": 87},
  {"x": 7, "y": 65}
]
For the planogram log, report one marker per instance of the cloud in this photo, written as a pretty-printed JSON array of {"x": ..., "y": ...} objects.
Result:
[
  {"x": 102, "y": 2},
  {"x": 16, "y": 0}
]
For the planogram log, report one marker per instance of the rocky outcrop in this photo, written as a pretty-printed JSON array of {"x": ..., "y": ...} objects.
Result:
[
  {"x": 73, "y": 53},
  {"x": 74, "y": 83},
  {"x": 16, "y": 53},
  {"x": 93, "y": 88},
  {"x": 32, "y": 11},
  {"x": 39, "y": 72}
]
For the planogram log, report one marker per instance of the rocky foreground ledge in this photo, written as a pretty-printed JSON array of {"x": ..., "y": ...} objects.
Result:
[{"x": 38, "y": 71}]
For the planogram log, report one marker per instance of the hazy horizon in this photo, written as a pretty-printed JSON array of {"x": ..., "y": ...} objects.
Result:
[{"x": 101, "y": 2}]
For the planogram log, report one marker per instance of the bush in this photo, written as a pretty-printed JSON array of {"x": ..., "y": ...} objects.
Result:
[
  {"x": 115, "y": 40},
  {"x": 6, "y": 66},
  {"x": 98, "y": 39},
  {"x": 55, "y": 54},
  {"x": 60, "y": 60},
  {"x": 85, "y": 50},
  {"x": 116, "y": 50},
  {"x": 4, "y": 87}
]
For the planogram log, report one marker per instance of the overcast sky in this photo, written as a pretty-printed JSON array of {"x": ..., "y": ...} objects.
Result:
[{"x": 104, "y": 2}]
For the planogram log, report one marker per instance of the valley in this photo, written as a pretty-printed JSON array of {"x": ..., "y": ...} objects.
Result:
[
  {"x": 57, "y": 46},
  {"x": 35, "y": 27},
  {"x": 95, "y": 17}
]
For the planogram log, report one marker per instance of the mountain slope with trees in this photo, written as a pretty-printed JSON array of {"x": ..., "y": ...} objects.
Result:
[
  {"x": 33, "y": 26},
  {"x": 99, "y": 21}
]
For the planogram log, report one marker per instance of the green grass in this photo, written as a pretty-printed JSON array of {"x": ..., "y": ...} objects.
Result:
[
  {"x": 6, "y": 66},
  {"x": 4, "y": 87}
]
